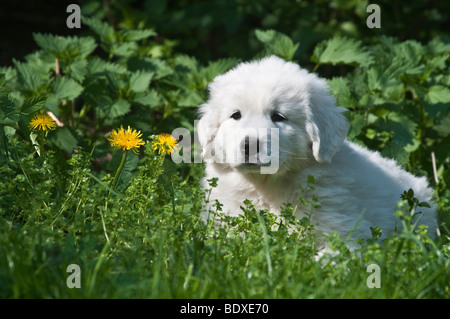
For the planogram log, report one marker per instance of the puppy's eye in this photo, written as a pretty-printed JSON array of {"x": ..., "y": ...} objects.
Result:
[
  {"x": 277, "y": 117},
  {"x": 236, "y": 115}
]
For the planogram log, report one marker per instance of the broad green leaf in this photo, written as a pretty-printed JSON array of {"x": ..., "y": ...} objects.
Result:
[
  {"x": 277, "y": 43},
  {"x": 33, "y": 104},
  {"x": 187, "y": 61},
  {"x": 140, "y": 81},
  {"x": 129, "y": 167},
  {"x": 341, "y": 91},
  {"x": 438, "y": 94},
  {"x": 116, "y": 81},
  {"x": 66, "y": 48},
  {"x": 190, "y": 99},
  {"x": 64, "y": 138},
  {"x": 2, "y": 80},
  {"x": 77, "y": 70},
  {"x": 157, "y": 66},
  {"x": 444, "y": 127},
  {"x": 124, "y": 49},
  {"x": 357, "y": 123},
  {"x": 49, "y": 42},
  {"x": 66, "y": 88},
  {"x": 52, "y": 104},
  {"x": 436, "y": 46},
  {"x": 403, "y": 131},
  {"x": 7, "y": 109},
  {"x": 341, "y": 50},
  {"x": 385, "y": 74},
  {"x": 102, "y": 29},
  {"x": 410, "y": 52},
  {"x": 396, "y": 152},
  {"x": 402, "y": 128},
  {"x": 148, "y": 98},
  {"x": 42, "y": 63},
  {"x": 218, "y": 67},
  {"x": 26, "y": 76},
  {"x": 97, "y": 65},
  {"x": 81, "y": 46},
  {"x": 135, "y": 35},
  {"x": 119, "y": 108}
]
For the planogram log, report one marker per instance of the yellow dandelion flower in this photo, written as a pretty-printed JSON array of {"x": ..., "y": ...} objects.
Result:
[
  {"x": 164, "y": 144},
  {"x": 126, "y": 139},
  {"x": 42, "y": 122}
]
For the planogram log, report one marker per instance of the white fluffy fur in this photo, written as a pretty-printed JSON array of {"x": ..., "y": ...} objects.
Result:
[{"x": 356, "y": 188}]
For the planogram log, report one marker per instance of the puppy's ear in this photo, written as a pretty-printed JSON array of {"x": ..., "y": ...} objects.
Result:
[
  {"x": 326, "y": 126},
  {"x": 206, "y": 129}
]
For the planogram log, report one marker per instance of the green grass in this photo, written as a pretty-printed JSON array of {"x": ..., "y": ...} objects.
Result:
[{"x": 150, "y": 242}]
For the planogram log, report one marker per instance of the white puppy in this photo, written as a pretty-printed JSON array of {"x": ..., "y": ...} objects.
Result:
[{"x": 269, "y": 124}]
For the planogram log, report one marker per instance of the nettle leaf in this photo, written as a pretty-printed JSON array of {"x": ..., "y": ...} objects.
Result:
[
  {"x": 77, "y": 70},
  {"x": 7, "y": 109},
  {"x": 340, "y": 89},
  {"x": 438, "y": 94},
  {"x": 41, "y": 62},
  {"x": 385, "y": 74},
  {"x": 218, "y": 67},
  {"x": 128, "y": 169},
  {"x": 52, "y": 104},
  {"x": 402, "y": 128},
  {"x": 66, "y": 88},
  {"x": 403, "y": 131},
  {"x": 444, "y": 127},
  {"x": 140, "y": 81},
  {"x": 65, "y": 48},
  {"x": 341, "y": 50},
  {"x": 189, "y": 62},
  {"x": 102, "y": 29},
  {"x": 26, "y": 76},
  {"x": 124, "y": 49},
  {"x": 357, "y": 123},
  {"x": 49, "y": 42},
  {"x": 396, "y": 152},
  {"x": 2, "y": 81},
  {"x": 157, "y": 66},
  {"x": 107, "y": 106},
  {"x": 64, "y": 138},
  {"x": 135, "y": 35},
  {"x": 438, "y": 62},
  {"x": 437, "y": 46},
  {"x": 410, "y": 52},
  {"x": 119, "y": 108},
  {"x": 97, "y": 65},
  {"x": 187, "y": 73},
  {"x": 148, "y": 98},
  {"x": 189, "y": 99},
  {"x": 117, "y": 81},
  {"x": 277, "y": 43},
  {"x": 33, "y": 104}
]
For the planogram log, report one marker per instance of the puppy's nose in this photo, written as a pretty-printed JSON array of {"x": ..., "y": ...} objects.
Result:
[{"x": 249, "y": 147}]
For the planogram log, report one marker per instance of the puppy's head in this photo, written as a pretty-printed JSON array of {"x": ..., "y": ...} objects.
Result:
[{"x": 270, "y": 113}]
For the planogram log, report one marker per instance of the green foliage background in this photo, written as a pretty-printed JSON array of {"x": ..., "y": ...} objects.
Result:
[{"x": 147, "y": 64}]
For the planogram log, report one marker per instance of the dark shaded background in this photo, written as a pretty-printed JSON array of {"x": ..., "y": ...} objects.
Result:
[
  {"x": 214, "y": 29},
  {"x": 19, "y": 19}
]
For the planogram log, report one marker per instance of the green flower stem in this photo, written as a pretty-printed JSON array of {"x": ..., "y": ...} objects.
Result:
[
  {"x": 119, "y": 171},
  {"x": 41, "y": 143}
]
